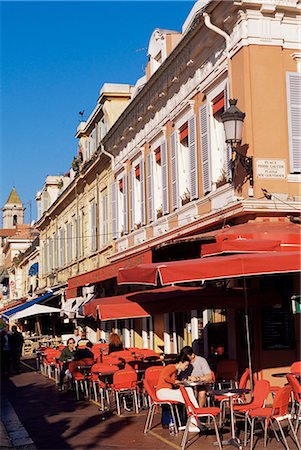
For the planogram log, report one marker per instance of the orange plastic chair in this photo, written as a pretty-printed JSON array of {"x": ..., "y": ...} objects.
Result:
[
  {"x": 227, "y": 370},
  {"x": 296, "y": 368},
  {"x": 192, "y": 411},
  {"x": 260, "y": 395},
  {"x": 296, "y": 409},
  {"x": 223, "y": 399},
  {"x": 150, "y": 382},
  {"x": 101, "y": 386},
  {"x": 125, "y": 382},
  {"x": 275, "y": 414}
]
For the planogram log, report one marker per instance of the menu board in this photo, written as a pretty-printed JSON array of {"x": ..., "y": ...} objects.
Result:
[{"x": 277, "y": 329}]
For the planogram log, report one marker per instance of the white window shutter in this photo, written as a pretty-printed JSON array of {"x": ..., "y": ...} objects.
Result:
[
  {"x": 125, "y": 205},
  {"x": 114, "y": 210},
  {"x": 104, "y": 219},
  {"x": 142, "y": 192},
  {"x": 50, "y": 261},
  {"x": 174, "y": 171},
  {"x": 205, "y": 149},
  {"x": 164, "y": 167},
  {"x": 132, "y": 199},
  {"x": 228, "y": 149},
  {"x": 149, "y": 178},
  {"x": 293, "y": 87},
  {"x": 193, "y": 158},
  {"x": 55, "y": 266}
]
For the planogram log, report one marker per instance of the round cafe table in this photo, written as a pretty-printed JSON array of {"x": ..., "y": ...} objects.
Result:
[{"x": 231, "y": 393}]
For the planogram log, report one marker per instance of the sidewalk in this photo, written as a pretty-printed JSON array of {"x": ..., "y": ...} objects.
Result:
[{"x": 56, "y": 420}]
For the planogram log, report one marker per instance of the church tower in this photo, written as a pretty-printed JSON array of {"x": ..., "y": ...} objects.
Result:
[{"x": 13, "y": 211}]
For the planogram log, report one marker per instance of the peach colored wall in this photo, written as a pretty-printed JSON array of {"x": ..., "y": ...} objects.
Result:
[
  {"x": 158, "y": 332},
  {"x": 259, "y": 84}
]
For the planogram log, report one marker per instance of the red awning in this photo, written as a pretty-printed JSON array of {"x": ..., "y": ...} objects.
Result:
[
  {"x": 286, "y": 232},
  {"x": 216, "y": 267},
  {"x": 218, "y": 103},
  {"x": 110, "y": 308},
  {"x": 105, "y": 272},
  {"x": 183, "y": 131},
  {"x": 240, "y": 246}
]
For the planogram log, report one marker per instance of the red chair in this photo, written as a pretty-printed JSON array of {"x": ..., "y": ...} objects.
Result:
[
  {"x": 223, "y": 399},
  {"x": 150, "y": 382},
  {"x": 260, "y": 395},
  {"x": 227, "y": 371},
  {"x": 79, "y": 378},
  {"x": 192, "y": 411},
  {"x": 275, "y": 414},
  {"x": 125, "y": 383},
  {"x": 296, "y": 368},
  {"x": 101, "y": 386},
  {"x": 296, "y": 409}
]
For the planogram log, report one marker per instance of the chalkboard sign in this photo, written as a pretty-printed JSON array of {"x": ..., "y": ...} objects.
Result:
[{"x": 277, "y": 329}]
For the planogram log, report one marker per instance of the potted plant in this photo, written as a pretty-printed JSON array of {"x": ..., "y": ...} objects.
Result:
[
  {"x": 222, "y": 179},
  {"x": 185, "y": 197},
  {"x": 75, "y": 164},
  {"x": 159, "y": 212}
]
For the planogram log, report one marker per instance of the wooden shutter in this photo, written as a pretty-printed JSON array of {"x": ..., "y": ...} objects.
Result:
[
  {"x": 142, "y": 192},
  {"x": 132, "y": 199},
  {"x": 125, "y": 204},
  {"x": 114, "y": 210},
  {"x": 228, "y": 149},
  {"x": 193, "y": 157},
  {"x": 55, "y": 248},
  {"x": 293, "y": 87},
  {"x": 104, "y": 219},
  {"x": 149, "y": 180},
  {"x": 50, "y": 255},
  {"x": 93, "y": 230},
  {"x": 174, "y": 171},
  {"x": 205, "y": 149},
  {"x": 164, "y": 167}
]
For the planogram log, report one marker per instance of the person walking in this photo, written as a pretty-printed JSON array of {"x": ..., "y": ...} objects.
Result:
[
  {"x": 16, "y": 345},
  {"x": 76, "y": 335},
  {"x": 5, "y": 351}
]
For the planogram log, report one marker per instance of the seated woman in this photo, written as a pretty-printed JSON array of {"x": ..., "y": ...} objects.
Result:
[
  {"x": 167, "y": 387},
  {"x": 67, "y": 355},
  {"x": 115, "y": 344}
]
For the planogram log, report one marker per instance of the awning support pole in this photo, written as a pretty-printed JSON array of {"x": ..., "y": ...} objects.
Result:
[{"x": 248, "y": 334}]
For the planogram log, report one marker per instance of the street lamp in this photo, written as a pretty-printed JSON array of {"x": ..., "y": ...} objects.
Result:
[
  {"x": 51, "y": 278},
  {"x": 233, "y": 120}
]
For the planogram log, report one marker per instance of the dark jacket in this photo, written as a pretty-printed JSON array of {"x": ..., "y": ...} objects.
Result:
[{"x": 115, "y": 348}]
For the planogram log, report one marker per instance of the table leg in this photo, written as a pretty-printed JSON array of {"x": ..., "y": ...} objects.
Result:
[{"x": 234, "y": 440}]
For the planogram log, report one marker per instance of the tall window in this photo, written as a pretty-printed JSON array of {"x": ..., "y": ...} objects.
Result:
[
  {"x": 293, "y": 87},
  {"x": 62, "y": 246},
  {"x": 69, "y": 242},
  {"x": 93, "y": 226},
  {"x": 137, "y": 195},
  {"x": 15, "y": 219}
]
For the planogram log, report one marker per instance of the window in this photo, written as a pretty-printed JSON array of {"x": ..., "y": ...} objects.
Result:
[
  {"x": 62, "y": 246},
  {"x": 157, "y": 179},
  {"x": 184, "y": 163},
  {"x": 137, "y": 195},
  {"x": 69, "y": 242},
  {"x": 50, "y": 255},
  {"x": 55, "y": 251},
  {"x": 15, "y": 219}
]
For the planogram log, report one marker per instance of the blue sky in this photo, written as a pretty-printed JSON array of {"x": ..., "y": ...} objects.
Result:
[{"x": 55, "y": 56}]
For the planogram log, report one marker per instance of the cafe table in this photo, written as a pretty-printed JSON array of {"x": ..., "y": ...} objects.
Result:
[{"x": 231, "y": 393}]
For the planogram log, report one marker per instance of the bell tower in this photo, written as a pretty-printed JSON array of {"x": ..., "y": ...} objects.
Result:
[{"x": 13, "y": 210}]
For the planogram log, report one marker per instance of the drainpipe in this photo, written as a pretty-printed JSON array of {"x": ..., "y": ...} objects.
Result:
[
  {"x": 226, "y": 36},
  {"x": 102, "y": 150}
]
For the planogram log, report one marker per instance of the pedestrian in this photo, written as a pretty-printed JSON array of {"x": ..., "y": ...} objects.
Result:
[
  {"x": 115, "y": 344},
  {"x": 198, "y": 370},
  {"x": 16, "y": 345},
  {"x": 66, "y": 357},
  {"x": 5, "y": 351},
  {"x": 167, "y": 386},
  {"x": 76, "y": 336},
  {"x": 83, "y": 340}
]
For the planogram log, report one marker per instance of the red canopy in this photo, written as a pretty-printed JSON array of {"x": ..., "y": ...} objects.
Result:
[
  {"x": 286, "y": 232},
  {"x": 240, "y": 246},
  {"x": 109, "y": 308},
  {"x": 216, "y": 267}
]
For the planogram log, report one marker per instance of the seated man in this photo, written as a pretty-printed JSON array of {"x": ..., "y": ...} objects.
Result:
[{"x": 198, "y": 370}]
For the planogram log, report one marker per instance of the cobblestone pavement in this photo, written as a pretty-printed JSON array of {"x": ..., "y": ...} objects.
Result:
[{"x": 47, "y": 419}]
